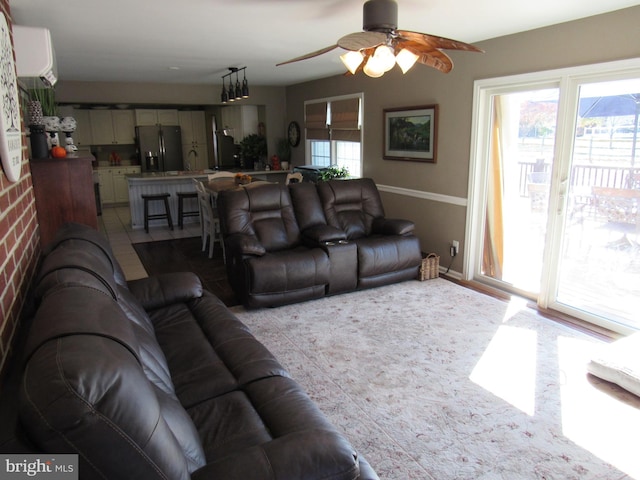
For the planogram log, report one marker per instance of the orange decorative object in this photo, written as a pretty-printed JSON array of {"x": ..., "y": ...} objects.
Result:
[{"x": 58, "y": 152}]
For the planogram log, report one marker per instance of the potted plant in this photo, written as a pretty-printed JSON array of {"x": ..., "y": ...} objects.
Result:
[
  {"x": 252, "y": 148},
  {"x": 284, "y": 153},
  {"x": 332, "y": 172}
]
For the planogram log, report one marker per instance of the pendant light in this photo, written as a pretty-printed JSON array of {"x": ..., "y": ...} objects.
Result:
[
  {"x": 245, "y": 84},
  {"x": 238, "y": 92}
]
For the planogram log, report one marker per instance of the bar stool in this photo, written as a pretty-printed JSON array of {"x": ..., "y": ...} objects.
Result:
[
  {"x": 181, "y": 212},
  {"x": 164, "y": 197}
]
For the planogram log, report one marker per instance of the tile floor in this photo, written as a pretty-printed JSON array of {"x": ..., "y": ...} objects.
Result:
[{"x": 115, "y": 223}]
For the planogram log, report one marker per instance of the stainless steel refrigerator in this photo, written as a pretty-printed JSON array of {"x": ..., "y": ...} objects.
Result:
[{"x": 160, "y": 148}]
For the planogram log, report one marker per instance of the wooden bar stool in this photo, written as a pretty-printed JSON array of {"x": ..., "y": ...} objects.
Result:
[
  {"x": 181, "y": 212},
  {"x": 164, "y": 197}
]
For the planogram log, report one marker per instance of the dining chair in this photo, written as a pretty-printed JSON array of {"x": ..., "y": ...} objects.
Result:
[
  {"x": 209, "y": 221},
  {"x": 295, "y": 177}
]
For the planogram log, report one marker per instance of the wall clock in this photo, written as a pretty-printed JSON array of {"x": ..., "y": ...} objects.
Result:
[
  {"x": 10, "y": 133},
  {"x": 294, "y": 134}
]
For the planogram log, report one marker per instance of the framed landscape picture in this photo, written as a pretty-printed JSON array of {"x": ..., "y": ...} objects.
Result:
[{"x": 411, "y": 133}]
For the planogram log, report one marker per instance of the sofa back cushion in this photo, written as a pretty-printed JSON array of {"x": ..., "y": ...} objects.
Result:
[
  {"x": 263, "y": 210},
  {"x": 76, "y": 233},
  {"x": 84, "y": 387},
  {"x": 307, "y": 205},
  {"x": 351, "y": 205}
]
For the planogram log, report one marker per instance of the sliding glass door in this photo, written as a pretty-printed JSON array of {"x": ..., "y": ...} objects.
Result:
[
  {"x": 554, "y": 209},
  {"x": 598, "y": 268}
]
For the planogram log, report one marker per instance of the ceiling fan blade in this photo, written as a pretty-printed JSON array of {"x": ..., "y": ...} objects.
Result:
[
  {"x": 309, "y": 55},
  {"x": 429, "y": 56},
  {"x": 362, "y": 40},
  {"x": 437, "y": 42}
]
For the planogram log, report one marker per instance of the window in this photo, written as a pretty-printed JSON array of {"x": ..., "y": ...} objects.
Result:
[{"x": 334, "y": 132}]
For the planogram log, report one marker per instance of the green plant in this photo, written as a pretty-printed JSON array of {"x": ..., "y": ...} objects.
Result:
[
  {"x": 46, "y": 97},
  {"x": 333, "y": 172},
  {"x": 253, "y": 146},
  {"x": 283, "y": 149}
]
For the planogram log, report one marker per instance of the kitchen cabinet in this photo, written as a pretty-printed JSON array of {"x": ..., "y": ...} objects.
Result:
[
  {"x": 114, "y": 187},
  {"x": 64, "y": 192},
  {"x": 109, "y": 127},
  {"x": 194, "y": 139},
  {"x": 82, "y": 136},
  {"x": 150, "y": 117},
  {"x": 243, "y": 119}
]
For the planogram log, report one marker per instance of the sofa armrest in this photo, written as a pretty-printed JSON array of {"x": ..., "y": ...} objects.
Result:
[
  {"x": 166, "y": 289},
  {"x": 321, "y": 234},
  {"x": 393, "y": 226},
  {"x": 240, "y": 244}
]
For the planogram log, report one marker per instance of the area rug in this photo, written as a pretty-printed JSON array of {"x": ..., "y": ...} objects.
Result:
[
  {"x": 432, "y": 380},
  {"x": 186, "y": 255}
]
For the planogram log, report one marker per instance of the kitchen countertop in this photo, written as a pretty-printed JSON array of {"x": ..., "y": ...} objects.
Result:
[{"x": 173, "y": 175}]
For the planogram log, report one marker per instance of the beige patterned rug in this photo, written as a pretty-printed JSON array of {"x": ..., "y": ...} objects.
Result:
[{"x": 431, "y": 380}]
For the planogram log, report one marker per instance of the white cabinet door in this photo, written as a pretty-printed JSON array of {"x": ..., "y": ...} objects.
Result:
[
  {"x": 168, "y": 117},
  {"x": 105, "y": 179},
  {"x": 123, "y": 127},
  {"x": 242, "y": 119},
  {"x": 101, "y": 127},
  {"x": 110, "y": 127},
  {"x": 82, "y": 136},
  {"x": 120, "y": 186},
  {"x": 186, "y": 127},
  {"x": 146, "y": 117}
]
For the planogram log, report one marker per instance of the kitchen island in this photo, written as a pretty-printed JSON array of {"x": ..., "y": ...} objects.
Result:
[{"x": 172, "y": 183}]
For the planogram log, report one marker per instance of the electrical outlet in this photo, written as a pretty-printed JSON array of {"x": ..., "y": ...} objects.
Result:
[{"x": 455, "y": 246}]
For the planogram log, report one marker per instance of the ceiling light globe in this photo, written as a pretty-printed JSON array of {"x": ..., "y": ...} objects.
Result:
[
  {"x": 406, "y": 59},
  {"x": 373, "y": 68},
  {"x": 352, "y": 60},
  {"x": 384, "y": 55}
]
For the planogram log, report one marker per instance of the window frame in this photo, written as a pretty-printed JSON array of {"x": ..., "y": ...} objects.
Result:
[{"x": 333, "y": 143}]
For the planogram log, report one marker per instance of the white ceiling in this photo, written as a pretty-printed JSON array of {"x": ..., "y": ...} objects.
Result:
[{"x": 141, "y": 40}]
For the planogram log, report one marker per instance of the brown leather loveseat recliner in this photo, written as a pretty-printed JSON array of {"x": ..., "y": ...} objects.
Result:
[{"x": 286, "y": 244}]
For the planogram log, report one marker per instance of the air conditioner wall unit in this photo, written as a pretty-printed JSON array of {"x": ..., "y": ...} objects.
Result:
[{"x": 35, "y": 58}]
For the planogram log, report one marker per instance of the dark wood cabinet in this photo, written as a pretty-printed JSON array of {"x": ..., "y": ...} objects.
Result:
[{"x": 64, "y": 192}]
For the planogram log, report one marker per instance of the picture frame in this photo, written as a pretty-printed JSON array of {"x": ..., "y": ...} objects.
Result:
[{"x": 411, "y": 133}]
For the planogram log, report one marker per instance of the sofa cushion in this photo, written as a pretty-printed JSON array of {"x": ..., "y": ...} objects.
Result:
[
  {"x": 351, "y": 205},
  {"x": 262, "y": 210},
  {"x": 307, "y": 205},
  {"x": 283, "y": 434},
  {"x": 222, "y": 353},
  {"x": 81, "y": 233},
  {"x": 288, "y": 270},
  {"x": 379, "y": 255},
  {"x": 84, "y": 387}
]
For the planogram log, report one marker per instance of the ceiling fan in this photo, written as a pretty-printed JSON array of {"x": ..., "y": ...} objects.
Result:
[{"x": 381, "y": 45}]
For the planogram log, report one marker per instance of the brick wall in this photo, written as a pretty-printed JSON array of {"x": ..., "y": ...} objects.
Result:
[{"x": 19, "y": 243}]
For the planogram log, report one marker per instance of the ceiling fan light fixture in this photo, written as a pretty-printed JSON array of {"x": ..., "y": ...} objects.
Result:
[
  {"x": 406, "y": 59},
  {"x": 352, "y": 60},
  {"x": 373, "y": 68},
  {"x": 384, "y": 55}
]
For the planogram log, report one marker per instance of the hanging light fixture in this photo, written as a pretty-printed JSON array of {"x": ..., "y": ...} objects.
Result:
[
  {"x": 238, "y": 89},
  {"x": 238, "y": 92},
  {"x": 245, "y": 84}
]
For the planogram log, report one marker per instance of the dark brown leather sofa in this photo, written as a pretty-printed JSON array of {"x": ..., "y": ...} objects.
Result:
[
  {"x": 157, "y": 379},
  {"x": 289, "y": 244}
]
